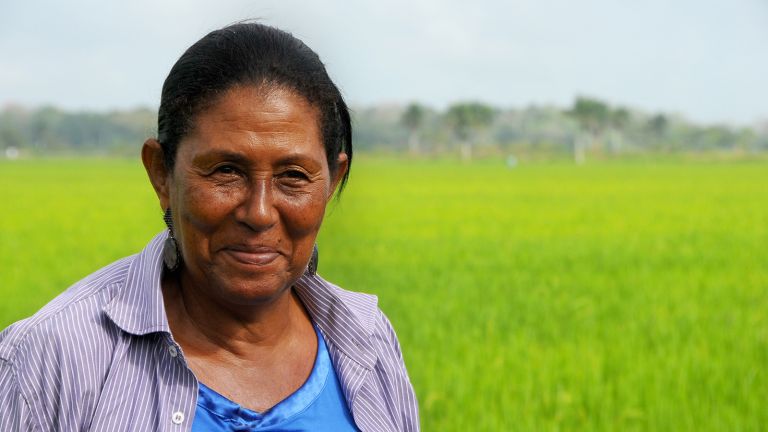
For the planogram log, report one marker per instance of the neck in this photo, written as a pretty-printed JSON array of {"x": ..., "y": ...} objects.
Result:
[{"x": 199, "y": 319}]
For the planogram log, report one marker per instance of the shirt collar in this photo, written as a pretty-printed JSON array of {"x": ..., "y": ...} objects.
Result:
[
  {"x": 346, "y": 319},
  {"x": 137, "y": 307}
]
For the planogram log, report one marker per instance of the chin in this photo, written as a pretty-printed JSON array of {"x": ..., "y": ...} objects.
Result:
[
  {"x": 255, "y": 290},
  {"x": 241, "y": 282}
]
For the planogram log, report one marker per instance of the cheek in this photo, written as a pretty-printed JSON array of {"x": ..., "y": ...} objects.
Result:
[
  {"x": 302, "y": 218},
  {"x": 203, "y": 207},
  {"x": 302, "y": 215}
]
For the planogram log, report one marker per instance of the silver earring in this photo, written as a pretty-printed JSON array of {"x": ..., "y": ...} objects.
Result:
[
  {"x": 313, "y": 261},
  {"x": 171, "y": 255}
]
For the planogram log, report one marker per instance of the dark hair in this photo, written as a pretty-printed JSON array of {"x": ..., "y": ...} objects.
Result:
[{"x": 250, "y": 54}]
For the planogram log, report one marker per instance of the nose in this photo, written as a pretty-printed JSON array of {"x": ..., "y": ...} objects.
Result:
[{"x": 258, "y": 210}]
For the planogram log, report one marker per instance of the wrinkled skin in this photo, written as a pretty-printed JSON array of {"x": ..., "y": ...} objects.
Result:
[{"x": 248, "y": 194}]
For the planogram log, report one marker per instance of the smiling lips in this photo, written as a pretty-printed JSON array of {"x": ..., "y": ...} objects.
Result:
[{"x": 257, "y": 255}]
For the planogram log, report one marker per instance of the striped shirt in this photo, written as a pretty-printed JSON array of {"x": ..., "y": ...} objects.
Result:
[{"x": 101, "y": 357}]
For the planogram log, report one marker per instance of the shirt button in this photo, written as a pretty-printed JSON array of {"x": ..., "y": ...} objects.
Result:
[
  {"x": 173, "y": 351},
  {"x": 177, "y": 417}
]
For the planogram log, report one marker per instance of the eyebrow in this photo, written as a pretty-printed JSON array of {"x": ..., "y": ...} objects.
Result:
[
  {"x": 291, "y": 158},
  {"x": 297, "y": 158},
  {"x": 219, "y": 154}
]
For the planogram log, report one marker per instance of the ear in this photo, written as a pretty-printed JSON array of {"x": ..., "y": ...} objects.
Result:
[
  {"x": 342, "y": 163},
  {"x": 154, "y": 163}
]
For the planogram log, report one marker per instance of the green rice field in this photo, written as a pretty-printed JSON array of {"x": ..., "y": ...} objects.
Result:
[{"x": 614, "y": 296}]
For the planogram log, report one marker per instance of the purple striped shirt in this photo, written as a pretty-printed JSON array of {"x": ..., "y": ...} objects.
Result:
[{"x": 101, "y": 357}]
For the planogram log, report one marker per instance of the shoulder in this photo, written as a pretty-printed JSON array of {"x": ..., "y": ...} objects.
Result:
[
  {"x": 121, "y": 296},
  {"x": 384, "y": 334},
  {"x": 363, "y": 305},
  {"x": 388, "y": 387},
  {"x": 393, "y": 375},
  {"x": 61, "y": 351},
  {"x": 359, "y": 310},
  {"x": 66, "y": 318},
  {"x": 375, "y": 322},
  {"x": 54, "y": 363},
  {"x": 329, "y": 304}
]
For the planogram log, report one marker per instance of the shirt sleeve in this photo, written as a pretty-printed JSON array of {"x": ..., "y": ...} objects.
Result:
[
  {"x": 404, "y": 395},
  {"x": 15, "y": 414}
]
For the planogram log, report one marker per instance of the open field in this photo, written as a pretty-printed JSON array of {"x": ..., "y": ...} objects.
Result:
[{"x": 612, "y": 296}]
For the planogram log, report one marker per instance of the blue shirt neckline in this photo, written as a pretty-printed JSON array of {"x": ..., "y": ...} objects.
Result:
[{"x": 285, "y": 410}]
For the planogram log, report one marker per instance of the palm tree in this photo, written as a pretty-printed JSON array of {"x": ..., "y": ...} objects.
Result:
[
  {"x": 593, "y": 116},
  {"x": 413, "y": 119},
  {"x": 465, "y": 119}
]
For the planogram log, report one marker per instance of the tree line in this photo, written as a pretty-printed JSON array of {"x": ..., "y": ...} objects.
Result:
[
  {"x": 49, "y": 130},
  {"x": 589, "y": 127}
]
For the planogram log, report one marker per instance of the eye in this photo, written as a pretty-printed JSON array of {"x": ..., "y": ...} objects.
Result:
[
  {"x": 225, "y": 169},
  {"x": 225, "y": 173},
  {"x": 294, "y": 179},
  {"x": 295, "y": 174}
]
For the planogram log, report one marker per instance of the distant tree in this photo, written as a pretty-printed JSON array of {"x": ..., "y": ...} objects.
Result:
[
  {"x": 716, "y": 138},
  {"x": 10, "y": 137},
  {"x": 413, "y": 120},
  {"x": 467, "y": 118},
  {"x": 43, "y": 124},
  {"x": 745, "y": 139},
  {"x": 593, "y": 116},
  {"x": 378, "y": 127},
  {"x": 657, "y": 125},
  {"x": 619, "y": 119}
]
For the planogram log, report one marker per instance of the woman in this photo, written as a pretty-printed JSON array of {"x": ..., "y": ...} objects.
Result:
[{"x": 221, "y": 322}]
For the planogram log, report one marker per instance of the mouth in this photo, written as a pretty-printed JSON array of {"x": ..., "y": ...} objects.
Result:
[{"x": 253, "y": 256}]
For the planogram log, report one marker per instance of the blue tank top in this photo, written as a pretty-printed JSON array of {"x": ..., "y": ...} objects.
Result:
[{"x": 318, "y": 405}]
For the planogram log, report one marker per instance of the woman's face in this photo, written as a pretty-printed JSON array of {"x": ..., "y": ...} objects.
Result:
[{"x": 248, "y": 193}]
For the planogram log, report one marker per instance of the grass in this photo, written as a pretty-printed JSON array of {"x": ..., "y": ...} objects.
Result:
[{"x": 612, "y": 296}]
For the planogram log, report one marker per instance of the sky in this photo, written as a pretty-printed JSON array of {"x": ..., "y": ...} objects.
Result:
[{"x": 704, "y": 59}]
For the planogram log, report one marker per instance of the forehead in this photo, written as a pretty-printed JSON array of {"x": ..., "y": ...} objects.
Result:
[
  {"x": 257, "y": 117},
  {"x": 262, "y": 104}
]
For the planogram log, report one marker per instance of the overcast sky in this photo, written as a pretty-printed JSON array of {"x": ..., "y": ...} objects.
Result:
[{"x": 706, "y": 59}]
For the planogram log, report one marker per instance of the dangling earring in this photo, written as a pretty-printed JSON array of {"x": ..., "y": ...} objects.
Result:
[
  {"x": 313, "y": 261},
  {"x": 171, "y": 255}
]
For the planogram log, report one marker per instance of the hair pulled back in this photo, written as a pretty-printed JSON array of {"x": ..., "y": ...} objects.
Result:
[{"x": 257, "y": 55}]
